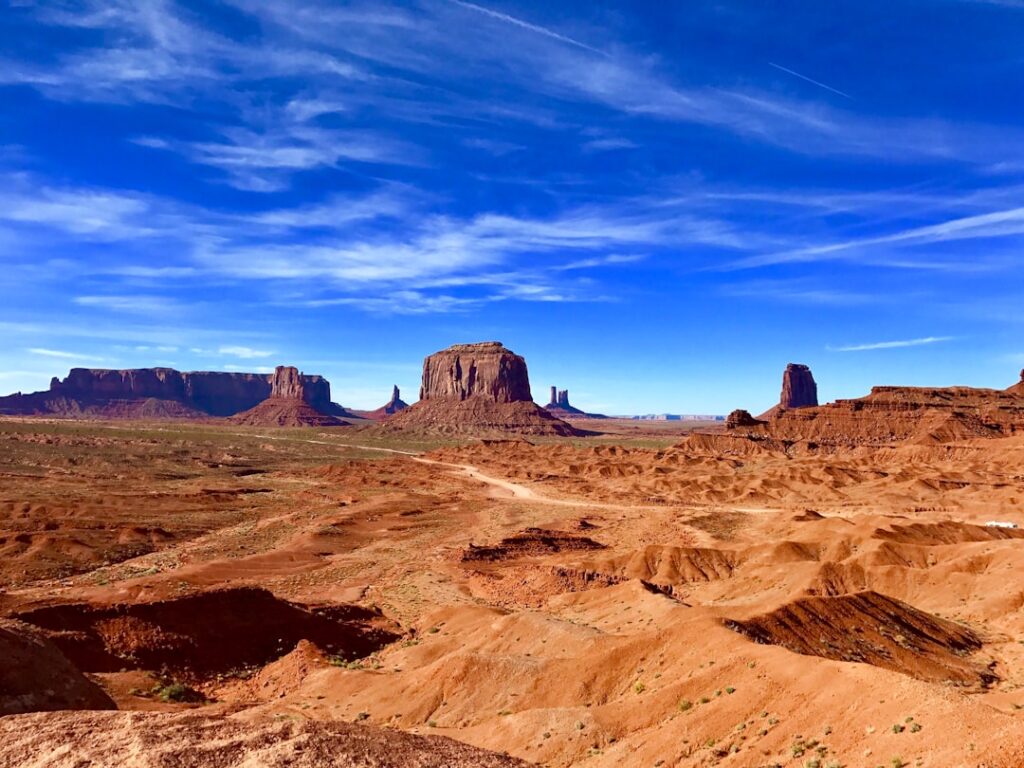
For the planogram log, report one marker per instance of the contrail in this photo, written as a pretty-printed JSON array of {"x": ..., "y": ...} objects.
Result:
[
  {"x": 804, "y": 77},
  {"x": 527, "y": 25},
  {"x": 891, "y": 344}
]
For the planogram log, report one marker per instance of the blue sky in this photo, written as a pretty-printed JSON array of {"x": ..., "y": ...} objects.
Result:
[{"x": 658, "y": 204}]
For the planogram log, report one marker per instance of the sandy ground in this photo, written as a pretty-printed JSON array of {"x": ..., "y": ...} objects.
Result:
[{"x": 599, "y": 602}]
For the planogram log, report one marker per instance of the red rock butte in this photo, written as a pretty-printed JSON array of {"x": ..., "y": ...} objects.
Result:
[
  {"x": 486, "y": 369},
  {"x": 295, "y": 400},
  {"x": 477, "y": 388},
  {"x": 799, "y": 390}
]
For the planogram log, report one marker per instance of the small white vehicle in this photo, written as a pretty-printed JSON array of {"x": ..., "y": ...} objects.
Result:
[{"x": 1000, "y": 524}]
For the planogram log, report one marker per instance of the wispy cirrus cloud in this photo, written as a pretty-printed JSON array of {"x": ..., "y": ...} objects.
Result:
[
  {"x": 891, "y": 344},
  {"x": 63, "y": 354},
  {"x": 247, "y": 353},
  {"x": 385, "y": 60},
  {"x": 136, "y": 304},
  {"x": 249, "y": 368},
  {"x": 995, "y": 224}
]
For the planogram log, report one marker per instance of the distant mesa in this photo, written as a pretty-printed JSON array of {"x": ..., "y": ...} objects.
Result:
[
  {"x": 157, "y": 393},
  {"x": 477, "y": 388},
  {"x": 676, "y": 417},
  {"x": 295, "y": 400},
  {"x": 561, "y": 407}
]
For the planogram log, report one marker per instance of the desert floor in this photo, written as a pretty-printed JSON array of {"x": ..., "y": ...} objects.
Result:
[{"x": 635, "y": 599}]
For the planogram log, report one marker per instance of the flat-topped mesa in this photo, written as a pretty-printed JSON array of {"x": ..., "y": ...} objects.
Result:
[
  {"x": 799, "y": 389},
  {"x": 484, "y": 370},
  {"x": 164, "y": 393},
  {"x": 142, "y": 393},
  {"x": 479, "y": 389}
]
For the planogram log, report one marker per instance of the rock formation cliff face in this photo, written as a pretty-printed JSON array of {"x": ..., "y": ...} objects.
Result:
[
  {"x": 741, "y": 418},
  {"x": 155, "y": 393},
  {"x": 1018, "y": 388},
  {"x": 485, "y": 370},
  {"x": 477, "y": 389},
  {"x": 35, "y": 676},
  {"x": 295, "y": 400},
  {"x": 889, "y": 415},
  {"x": 799, "y": 389}
]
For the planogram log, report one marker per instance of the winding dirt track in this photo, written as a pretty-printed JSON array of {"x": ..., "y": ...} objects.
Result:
[{"x": 504, "y": 488}]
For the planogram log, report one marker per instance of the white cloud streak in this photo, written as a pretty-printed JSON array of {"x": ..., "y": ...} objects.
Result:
[
  {"x": 63, "y": 355},
  {"x": 246, "y": 353},
  {"x": 892, "y": 344},
  {"x": 517, "y": 22}
]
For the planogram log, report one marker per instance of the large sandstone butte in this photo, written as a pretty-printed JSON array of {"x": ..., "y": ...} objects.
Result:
[
  {"x": 295, "y": 400},
  {"x": 477, "y": 388},
  {"x": 799, "y": 390},
  {"x": 921, "y": 415},
  {"x": 155, "y": 393},
  {"x": 485, "y": 370}
]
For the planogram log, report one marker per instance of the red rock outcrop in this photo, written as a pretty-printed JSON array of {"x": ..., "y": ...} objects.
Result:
[
  {"x": 35, "y": 676},
  {"x": 296, "y": 400},
  {"x": 477, "y": 388},
  {"x": 156, "y": 393},
  {"x": 741, "y": 418},
  {"x": 922, "y": 415},
  {"x": 1018, "y": 388},
  {"x": 561, "y": 407},
  {"x": 192, "y": 738},
  {"x": 799, "y": 389},
  {"x": 393, "y": 406},
  {"x": 485, "y": 369}
]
